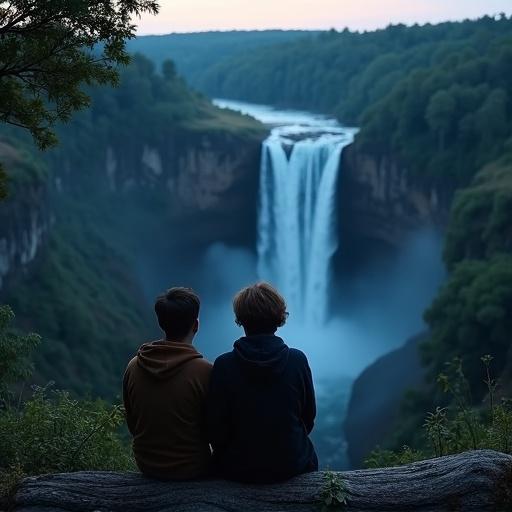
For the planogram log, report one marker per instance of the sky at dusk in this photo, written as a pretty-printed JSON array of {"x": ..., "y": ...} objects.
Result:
[{"x": 201, "y": 15}]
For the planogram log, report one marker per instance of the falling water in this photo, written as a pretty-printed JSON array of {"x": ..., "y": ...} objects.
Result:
[{"x": 297, "y": 232}]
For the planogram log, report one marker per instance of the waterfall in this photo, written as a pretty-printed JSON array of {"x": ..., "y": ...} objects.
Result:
[{"x": 296, "y": 226}]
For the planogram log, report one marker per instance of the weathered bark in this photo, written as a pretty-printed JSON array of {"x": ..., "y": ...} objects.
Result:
[{"x": 473, "y": 481}]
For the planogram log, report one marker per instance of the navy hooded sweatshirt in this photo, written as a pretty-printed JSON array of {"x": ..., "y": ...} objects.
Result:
[{"x": 261, "y": 409}]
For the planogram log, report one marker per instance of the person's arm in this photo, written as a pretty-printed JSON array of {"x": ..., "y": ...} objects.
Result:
[
  {"x": 218, "y": 417},
  {"x": 203, "y": 390},
  {"x": 127, "y": 404},
  {"x": 309, "y": 407}
]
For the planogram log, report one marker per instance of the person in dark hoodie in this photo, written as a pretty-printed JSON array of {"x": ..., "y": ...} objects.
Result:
[
  {"x": 164, "y": 393},
  {"x": 261, "y": 405}
]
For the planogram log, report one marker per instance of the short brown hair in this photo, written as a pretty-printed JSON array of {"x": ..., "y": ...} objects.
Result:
[
  {"x": 260, "y": 309},
  {"x": 177, "y": 309}
]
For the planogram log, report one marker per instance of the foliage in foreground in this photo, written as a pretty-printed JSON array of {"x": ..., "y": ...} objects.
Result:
[
  {"x": 51, "y": 431},
  {"x": 458, "y": 427}
]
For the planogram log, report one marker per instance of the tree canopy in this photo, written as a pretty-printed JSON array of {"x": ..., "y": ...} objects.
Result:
[{"x": 50, "y": 48}]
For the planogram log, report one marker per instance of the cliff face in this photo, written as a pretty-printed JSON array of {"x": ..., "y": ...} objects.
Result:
[
  {"x": 25, "y": 220},
  {"x": 214, "y": 177},
  {"x": 212, "y": 180},
  {"x": 380, "y": 201},
  {"x": 208, "y": 182},
  {"x": 22, "y": 233},
  {"x": 196, "y": 173},
  {"x": 376, "y": 396}
]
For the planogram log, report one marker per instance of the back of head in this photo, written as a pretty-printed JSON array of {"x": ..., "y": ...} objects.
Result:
[
  {"x": 177, "y": 311},
  {"x": 259, "y": 309}
]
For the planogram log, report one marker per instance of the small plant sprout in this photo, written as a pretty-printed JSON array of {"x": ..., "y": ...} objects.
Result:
[
  {"x": 489, "y": 381},
  {"x": 334, "y": 492},
  {"x": 461, "y": 425},
  {"x": 437, "y": 431},
  {"x": 455, "y": 383}
]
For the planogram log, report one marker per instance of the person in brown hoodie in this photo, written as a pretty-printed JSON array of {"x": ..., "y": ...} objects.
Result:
[{"x": 164, "y": 394}]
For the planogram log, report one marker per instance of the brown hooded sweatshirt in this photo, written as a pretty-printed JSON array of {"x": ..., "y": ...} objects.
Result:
[{"x": 164, "y": 393}]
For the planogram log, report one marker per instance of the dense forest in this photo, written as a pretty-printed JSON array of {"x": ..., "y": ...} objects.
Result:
[{"x": 193, "y": 53}]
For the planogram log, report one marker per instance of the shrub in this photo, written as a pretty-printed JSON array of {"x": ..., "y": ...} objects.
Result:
[
  {"x": 15, "y": 351},
  {"x": 380, "y": 458},
  {"x": 51, "y": 432},
  {"x": 458, "y": 427}
]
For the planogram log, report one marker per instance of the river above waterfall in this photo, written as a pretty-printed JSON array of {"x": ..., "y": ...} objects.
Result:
[{"x": 272, "y": 116}]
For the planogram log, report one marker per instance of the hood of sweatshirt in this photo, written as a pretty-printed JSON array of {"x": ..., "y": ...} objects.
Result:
[
  {"x": 262, "y": 355},
  {"x": 164, "y": 359}
]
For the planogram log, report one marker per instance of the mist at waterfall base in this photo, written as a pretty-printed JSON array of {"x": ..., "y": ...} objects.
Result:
[{"x": 379, "y": 308}]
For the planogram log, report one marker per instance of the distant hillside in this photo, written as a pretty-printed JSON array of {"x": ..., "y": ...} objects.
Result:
[
  {"x": 196, "y": 52},
  {"x": 436, "y": 97}
]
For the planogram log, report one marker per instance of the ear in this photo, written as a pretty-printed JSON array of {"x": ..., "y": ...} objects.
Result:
[{"x": 195, "y": 327}]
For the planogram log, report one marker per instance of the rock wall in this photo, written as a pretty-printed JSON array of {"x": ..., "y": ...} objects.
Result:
[
  {"x": 381, "y": 201},
  {"x": 24, "y": 216},
  {"x": 196, "y": 172},
  {"x": 23, "y": 232},
  {"x": 376, "y": 397},
  {"x": 208, "y": 182}
]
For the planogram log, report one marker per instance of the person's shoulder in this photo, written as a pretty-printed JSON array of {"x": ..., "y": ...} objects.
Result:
[
  {"x": 224, "y": 359},
  {"x": 201, "y": 365},
  {"x": 129, "y": 371},
  {"x": 198, "y": 361},
  {"x": 298, "y": 356},
  {"x": 131, "y": 364},
  {"x": 199, "y": 370},
  {"x": 202, "y": 361}
]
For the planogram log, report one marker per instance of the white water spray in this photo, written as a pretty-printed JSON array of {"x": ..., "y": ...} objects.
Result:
[{"x": 297, "y": 230}]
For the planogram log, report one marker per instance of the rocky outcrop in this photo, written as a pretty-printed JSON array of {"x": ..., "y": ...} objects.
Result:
[
  {"x": 376, "y": 397},
  {"x": 381, "y": 201},
  {"x": 476, "y": 481}
]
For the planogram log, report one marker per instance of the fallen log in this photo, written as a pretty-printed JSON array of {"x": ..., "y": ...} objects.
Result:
[{"x": 473, "y": 481}]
